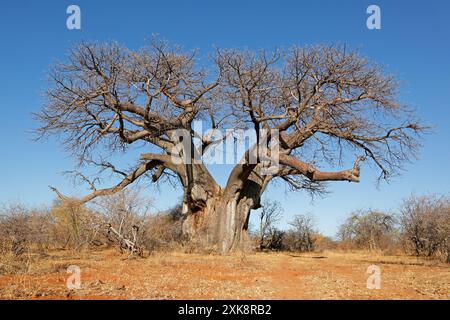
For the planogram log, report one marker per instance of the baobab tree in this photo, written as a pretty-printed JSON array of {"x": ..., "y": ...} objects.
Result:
[{"x": 325, "y": 104}]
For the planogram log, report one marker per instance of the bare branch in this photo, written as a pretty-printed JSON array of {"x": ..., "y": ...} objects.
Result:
[
  {"x": 351, "y": 175},
  {"x": 130, "y": 178}
]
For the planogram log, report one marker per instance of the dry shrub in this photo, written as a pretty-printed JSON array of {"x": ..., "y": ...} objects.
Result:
[
  {"x": 368, "y": 230},
  {"x": 274, "y": 239},
  {"x": 75, "y": 226},
  {"x": 16, "y": 238},
  {"x": 425, "y": 225},
  {"x": 301, "y": 236},
  {"x": 128, "y": 213},
  {"x": 122, "y": 217},
  {"x": 323, "y": 243},
  {"x": 163, "y": 231},
  {"x": 269, "y": 237},
  {"x": 27, "y": 234}
]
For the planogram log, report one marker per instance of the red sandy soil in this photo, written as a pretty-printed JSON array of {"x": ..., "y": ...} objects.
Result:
[{"x": 328, "y": 275}]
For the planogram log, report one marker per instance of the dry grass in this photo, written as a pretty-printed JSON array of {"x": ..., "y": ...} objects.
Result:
[{"x": 328, "y": 275}]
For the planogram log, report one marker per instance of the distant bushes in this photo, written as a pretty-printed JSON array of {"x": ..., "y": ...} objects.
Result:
[
  {"x": 74, "y": 226},
  {"x": 118, "y": 221},
  {"x": 15, "y": 235},
  {"x": 128, "y": 217},
  {"x": 421, "y": 227},
  {"x": 22, "y": 231},
  {"x": 300, "y": 237},
  {"x": 22, "y": 228}
]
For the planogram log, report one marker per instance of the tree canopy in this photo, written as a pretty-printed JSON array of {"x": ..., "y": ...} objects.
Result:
[{"x": 327, "y": 103}]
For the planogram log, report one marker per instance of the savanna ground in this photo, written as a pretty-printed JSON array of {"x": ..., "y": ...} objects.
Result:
[{"x": 106, "y": 274}]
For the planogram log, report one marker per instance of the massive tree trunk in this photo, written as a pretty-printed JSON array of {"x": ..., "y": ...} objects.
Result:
[
  {"x": 219, "y": 221},
  {"x": 216, "y": 218},
  {"x": 220, "y": 225}
]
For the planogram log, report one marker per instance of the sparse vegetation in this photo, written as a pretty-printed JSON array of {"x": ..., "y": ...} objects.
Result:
[
  {"x": 122, "y": 220},
  {"x": 35, "y": 244},
  {"x": 271, "y": 275}
]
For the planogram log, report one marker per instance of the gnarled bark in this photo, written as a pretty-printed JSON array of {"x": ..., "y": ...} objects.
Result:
[{"x": 221, "y": 224}]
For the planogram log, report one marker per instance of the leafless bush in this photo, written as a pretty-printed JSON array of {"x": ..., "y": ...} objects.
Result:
[
  {"x": 268, "y": 236},
  {"x": 75, "y": 226},
  {"x": 301, "y": 237},
  {"x": 368, "y": 229},
  {"x": 322, "y": 243},
  {"x": 123, "y": 217},
  {"x": 425, "y": 224},
  {"x": 21, "y": 232},
  {"x": 134, "y": 228},
  {"x": 15, "y": 229},
  {"x": 163, "y": 231}
]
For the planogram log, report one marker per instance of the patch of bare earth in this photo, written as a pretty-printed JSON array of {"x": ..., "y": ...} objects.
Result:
[{"x": 330, "y": 275}]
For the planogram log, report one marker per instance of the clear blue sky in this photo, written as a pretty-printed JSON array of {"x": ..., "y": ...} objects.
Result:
[{"x": 413, "y": 43}]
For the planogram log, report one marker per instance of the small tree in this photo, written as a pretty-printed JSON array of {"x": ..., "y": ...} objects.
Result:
[
  {"x": 369, "y": 229},
  {"x": 14, "y": 229},
  {"x": 268, "y": 235},
  {"x": 125, "y": 214},
  {"x": 75, "y": 225},
  {"x": 301, "y": 237}
]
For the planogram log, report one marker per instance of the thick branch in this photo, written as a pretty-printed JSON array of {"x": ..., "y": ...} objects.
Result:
[{"x": 351, "y": 175}]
